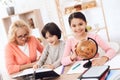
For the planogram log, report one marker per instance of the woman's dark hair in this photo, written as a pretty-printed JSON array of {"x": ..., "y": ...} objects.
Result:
[
  {"x": 78, "y": 15},
  {"x": 52, "y": 28}
]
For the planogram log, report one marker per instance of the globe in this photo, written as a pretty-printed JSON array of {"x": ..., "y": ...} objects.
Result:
[{"x": 87, "y": 49}]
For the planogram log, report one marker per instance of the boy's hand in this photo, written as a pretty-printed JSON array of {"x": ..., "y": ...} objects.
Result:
[
  {"x": 50, "y": 66},
  {"x": 35, "y": 66}
]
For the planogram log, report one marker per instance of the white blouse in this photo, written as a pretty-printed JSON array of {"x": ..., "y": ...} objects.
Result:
[{"x": 25, "y": 49}]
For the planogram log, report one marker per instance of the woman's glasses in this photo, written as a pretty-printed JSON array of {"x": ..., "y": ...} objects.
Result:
[{"x": 22, "y": 36}]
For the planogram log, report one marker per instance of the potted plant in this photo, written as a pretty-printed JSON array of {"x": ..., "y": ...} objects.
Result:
[{"x": 9, "y": 6}]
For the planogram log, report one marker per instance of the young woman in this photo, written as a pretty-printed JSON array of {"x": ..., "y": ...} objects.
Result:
[{"x": 78, "y": 23}]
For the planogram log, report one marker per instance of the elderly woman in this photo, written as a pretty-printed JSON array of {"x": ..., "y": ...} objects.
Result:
[{"x": 21, "y": 49}]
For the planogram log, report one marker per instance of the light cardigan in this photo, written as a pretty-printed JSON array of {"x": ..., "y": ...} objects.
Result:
[
  {"x": 15, "y": 57},
  {"x": 70, "y": 47},
  {"x": 52, "y": 55}
]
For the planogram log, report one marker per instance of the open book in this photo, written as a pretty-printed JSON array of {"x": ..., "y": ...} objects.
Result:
[{"x": 40, "y": 73}]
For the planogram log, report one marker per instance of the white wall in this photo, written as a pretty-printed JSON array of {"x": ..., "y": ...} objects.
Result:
[
  {"x": 95, "y": 16},
  {"x": 112, "y": 13},
  {"x": 3, "y": 40},
  {"x": 48, "y": 11}
]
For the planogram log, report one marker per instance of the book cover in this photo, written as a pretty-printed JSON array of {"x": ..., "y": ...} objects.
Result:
[
  {"x": 45, "y": 74},
  {"x": 104, "y": 76},
  {"x": 95, "y": 73}
]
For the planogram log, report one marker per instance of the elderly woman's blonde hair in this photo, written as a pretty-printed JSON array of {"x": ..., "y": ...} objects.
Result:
[{"x": 14, "y": 27}]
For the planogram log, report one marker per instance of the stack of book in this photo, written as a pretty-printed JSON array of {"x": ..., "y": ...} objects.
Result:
[
  {"x": 95, "y": 73},
  {"x": 114, "y": 74}
]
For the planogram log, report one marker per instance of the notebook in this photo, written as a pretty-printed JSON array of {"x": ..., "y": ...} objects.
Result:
[{"x": 94, "y": 73}]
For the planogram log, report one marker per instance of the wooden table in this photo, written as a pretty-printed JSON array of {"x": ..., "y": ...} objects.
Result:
[{"x": 66, "y": 76}]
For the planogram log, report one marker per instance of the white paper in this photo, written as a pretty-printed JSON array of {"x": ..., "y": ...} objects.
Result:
[
  {"x": 78, "y": 69},
  {"x": 59, "y": 69},
  {"x": 42, "y": 70},
  {"x": 115, "y": 62}
]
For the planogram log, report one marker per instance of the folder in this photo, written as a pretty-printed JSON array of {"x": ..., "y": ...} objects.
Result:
[{"x": 95, "y": 73}]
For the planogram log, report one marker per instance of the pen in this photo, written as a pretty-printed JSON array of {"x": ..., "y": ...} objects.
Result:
[
  {"x": 75, "y": 67},
  {"x": 34, "y": 74},
  {"x": 62, "y": 70}
]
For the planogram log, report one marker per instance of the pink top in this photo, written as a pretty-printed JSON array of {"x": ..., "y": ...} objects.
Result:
[
  {"x": 70, "y": 47},
  {"x": 15, "y": 57}
]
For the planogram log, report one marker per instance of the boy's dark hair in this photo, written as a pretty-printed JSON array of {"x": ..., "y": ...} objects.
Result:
[
  {"x": 78, "y": 15},
  {"x": 52, "y": 28}
]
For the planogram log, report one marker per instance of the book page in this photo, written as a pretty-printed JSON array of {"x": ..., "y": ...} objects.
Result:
[
  {"x": 30, "y": 71},
  {"x": 59, "y": 69},
  {"x": 77, "y": 67},
  {"x": 24, "y": 72},
  {"x": 42, "y": 70}
]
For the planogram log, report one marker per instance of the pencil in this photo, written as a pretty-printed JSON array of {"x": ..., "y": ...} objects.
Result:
[{"x": 75, "y": 67}]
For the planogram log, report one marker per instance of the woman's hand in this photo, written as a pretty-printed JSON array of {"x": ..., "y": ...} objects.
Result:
[
  {"x": 100, "y": 61},
  {"x": 26, "y": 66}
]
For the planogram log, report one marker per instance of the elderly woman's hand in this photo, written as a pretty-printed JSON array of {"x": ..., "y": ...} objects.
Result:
[{"x": 26, "y": 66}]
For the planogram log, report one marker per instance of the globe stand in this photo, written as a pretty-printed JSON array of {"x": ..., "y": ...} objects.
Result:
[{"x": 87, "y": 64}]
